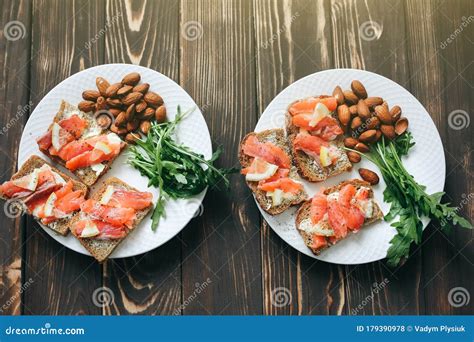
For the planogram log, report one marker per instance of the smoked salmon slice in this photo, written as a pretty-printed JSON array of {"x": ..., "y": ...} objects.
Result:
[
  {"x": 114, "y": 216},
  {"x": 328, "y": 128},
  {"x": 285, "y": 184},
  {"x": 267, "y": 151},
  {"x": 310, "y": 144},
  {"x": 72, "y": 128},
  {"x": 318, "y": 242},
  {"x": 136, "y": 200},
  {"x": 74, "y": 125},
  {"x": 319, "y": 207},
  {"x": 106, "y": 230},
  {"x": 307, "y": 105},
  {"x": 74, "y": 148}
]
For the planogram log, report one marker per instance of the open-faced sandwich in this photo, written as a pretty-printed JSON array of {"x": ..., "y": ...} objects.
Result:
[
  {"x": 109, "y": 216},
  {"x": 330, "y": 216},
  {"x": 44, "y": 192},
  {"x": 76, "y": 141},
  {"x": 316, "y": 138},
  {"x": 266, "y": 164}
]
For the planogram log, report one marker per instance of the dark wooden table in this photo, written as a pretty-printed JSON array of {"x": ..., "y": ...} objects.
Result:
[{"x": 233, "y": 57}]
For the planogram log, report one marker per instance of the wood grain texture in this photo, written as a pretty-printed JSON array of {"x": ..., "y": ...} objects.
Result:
[
  {"x": 293, "y": 40},
  {"x": 145, "y": 33},
  {"x": 363, "y": 38},
  {"x": 222, "y": 245},
  {"x": 62, "y": 280},
  {"x": 442, "y": 81},
  {"x": 14, "y": 100}
]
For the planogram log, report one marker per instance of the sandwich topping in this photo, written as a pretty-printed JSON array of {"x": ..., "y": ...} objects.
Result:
[
  {"x": 45, "y": 194},
  {"x": 112, "y": 215},
  {"x": 318, "y": 129},
  {"x": 270, "y": 167},
  {"x": 73, "y": 140},
  {"x": 333, "y": 216}
]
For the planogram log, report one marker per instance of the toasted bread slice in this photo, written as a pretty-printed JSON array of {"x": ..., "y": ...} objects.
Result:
[
  {"x": 87, "y": 175},
  {"x": 101, "y": 249},
  {"x": 304, "y": 212},
  {"x": 60, "y": 226},
  {"x": 277, "y": 137},
  {"x": 309, "y": 168}
]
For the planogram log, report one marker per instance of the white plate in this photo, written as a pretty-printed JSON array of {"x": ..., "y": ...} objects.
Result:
[
  {"x": 193, "y": 132},
  {"x": 425, "y": 161}
]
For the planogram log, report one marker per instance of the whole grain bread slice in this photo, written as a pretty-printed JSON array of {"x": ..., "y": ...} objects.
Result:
[
  {"x": 87, "y": 175},
  {"x": 304, "y": 212},
  {"x": 60, "y": 226},
  {"x": 278, "y": 138},
  {"x": 101, "y": 249},
  {"x": 307, "y": 166}
]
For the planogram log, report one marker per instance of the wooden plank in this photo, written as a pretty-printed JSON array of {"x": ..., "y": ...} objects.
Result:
[
  {"x": 63, "y": 280},
  {"x": 293, "y": 40},
  {"x": 14, "y": 59},
  {"x": 145, "y": 33},
  {"x": 222, "y": 245},
  {"x": 442, "y": 81},
  {"x": 363, "y": 38}
]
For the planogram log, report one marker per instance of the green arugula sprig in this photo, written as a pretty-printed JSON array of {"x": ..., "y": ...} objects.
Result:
[
  {"x": 173, "y": 168},
  {"x": 408, "y": 199}
]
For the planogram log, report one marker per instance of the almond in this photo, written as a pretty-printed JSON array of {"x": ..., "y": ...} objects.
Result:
[
  {"x": 361, "y": 147},
  {"x": 339, "y": 95},
  {"x": 153, "y": 99},
  {"x": 145, "y": 126},
  {"x": 131, "y": 138},
  {"x": 353, "y": 110},
  {"x": 160, "y": 114},
  {"x": 343, "y": 114},
  {"x": 90, "y": 95},
  {"x": 148, "y": 114},
  {"x": 112, "y": 89},
  {"x": 121, "y": 120},
  {"x": 350, "y": 97},
  {"x": 101, "y": 104},
  {"x": 385, "y": 104},
  {"x": 395, "y": 113},
  {"x": 115, "y": 111},
  {"x": 369, "y": 176},
  {"x": 354, "y": 157},
  {"x": 388, "y": 131},
  {"x": 116, "y": 103},
  {"x": 132, "y": 98},
  {"x": 359, "y": 89},
  {"x": 141, "y": 88},
  {"x": 86, "y": 106},
  {"x": 383, "y": 114},
  {"x": 373, "y": 101},
  {"x": 118, "y": 130},
  {"x": 372, "y": 122},
  {"x": 350, "y": 142},
  {"x": 130, "y": 113},
  {"x": 368, "y": 136},
  {"x": 140, "y": 106},
  {"x": 132, "y": 125},
  {"x": 378, "y": 135},
  {"x": 363, "y": 110},
  {"x": 124, "y": 90},
  {"x": 356, "y": 123},
  {"x": 131, "y": 79},
  {"x": 102, "y": 85},
  {"x": 401, "y": 126}
]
